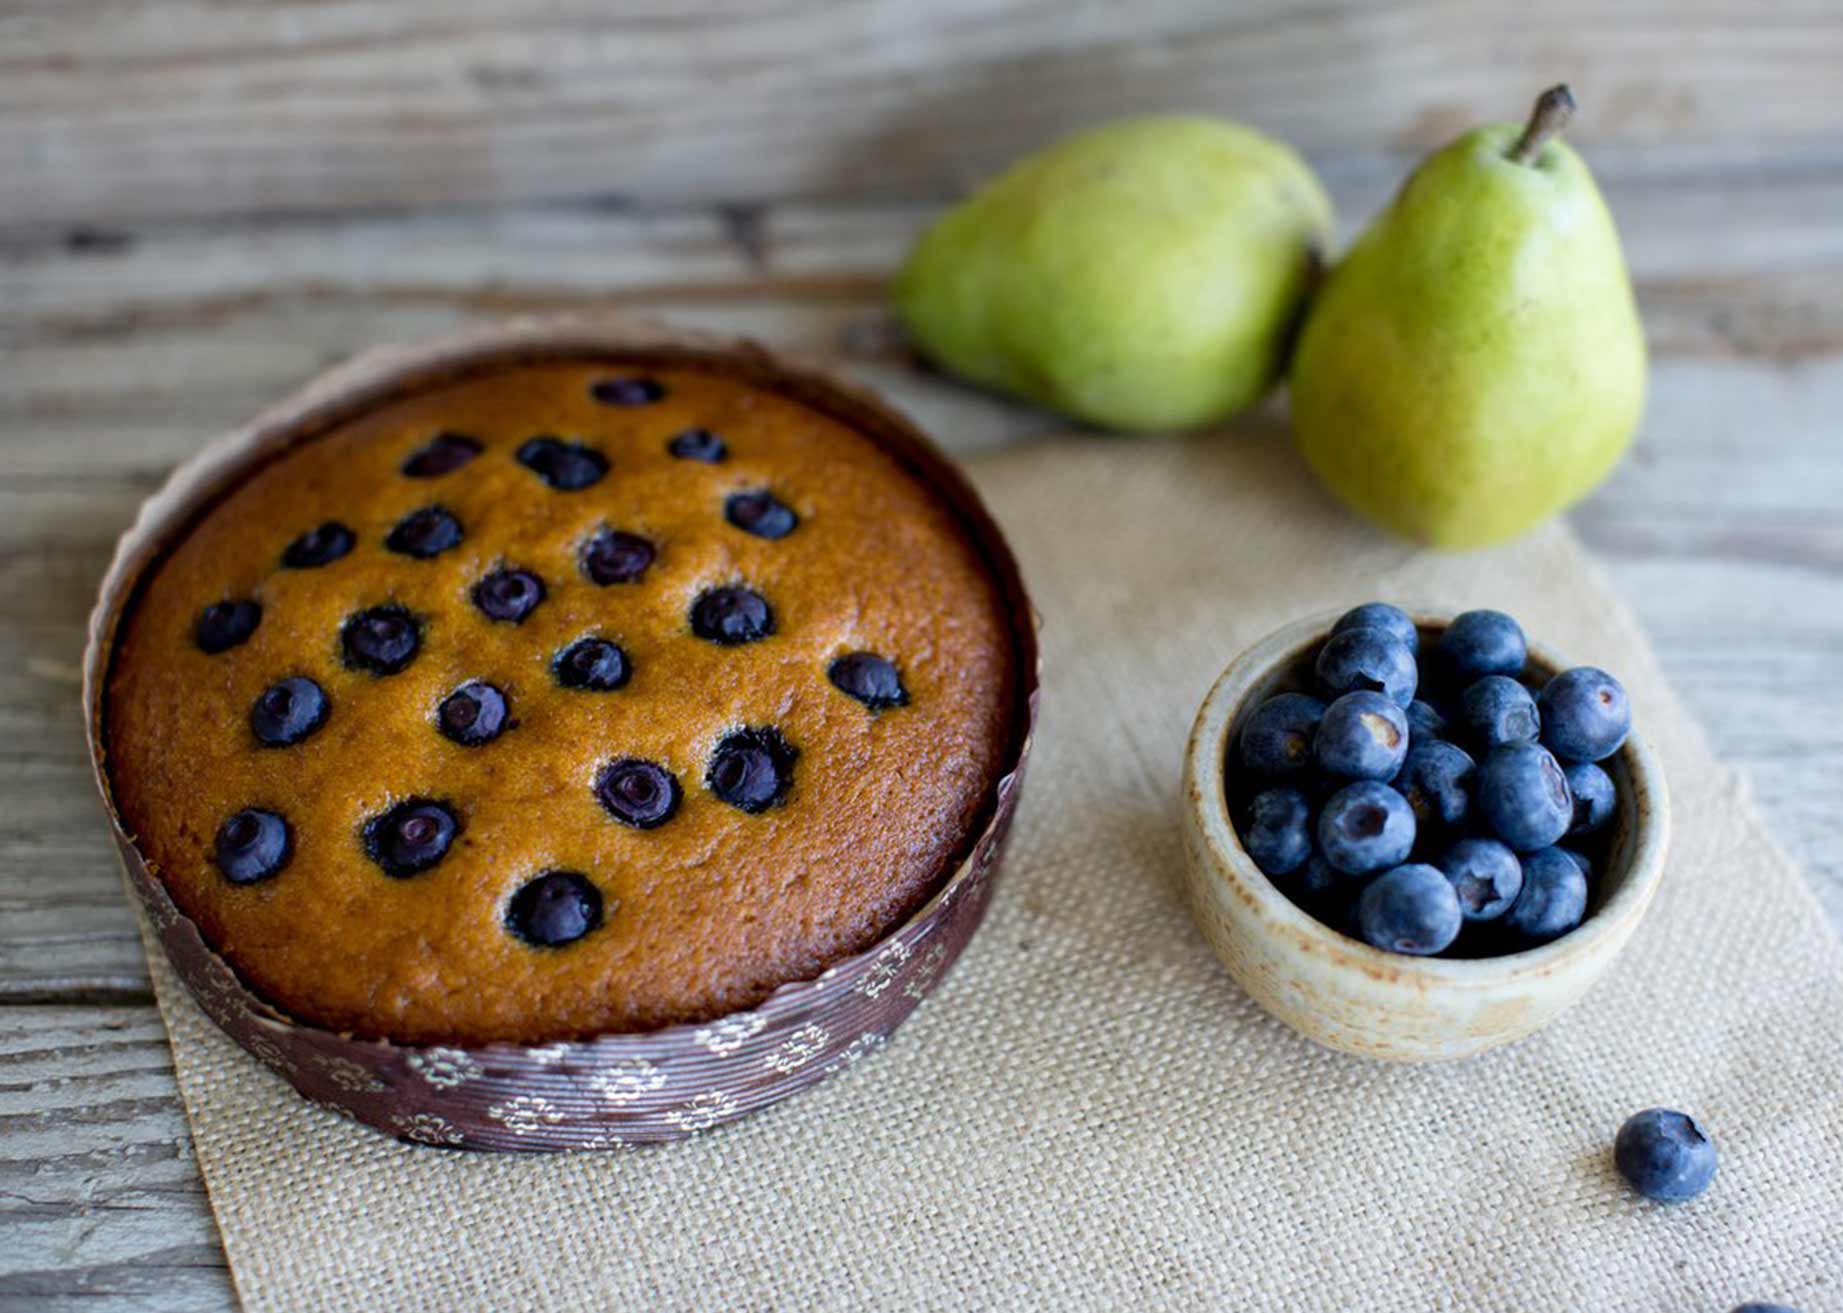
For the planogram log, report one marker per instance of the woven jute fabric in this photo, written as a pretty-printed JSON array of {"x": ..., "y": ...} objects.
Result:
[{"x": 1088, "y": 1114}]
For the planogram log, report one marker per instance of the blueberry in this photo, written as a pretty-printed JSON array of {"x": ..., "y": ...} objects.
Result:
[
  {"x": 380, "y": 639},
  {"x": 1276, "y": 830},
  {"x": 253, "y": 845},
  {"x": 1497, "y": 710},
  {"x": 424, "y": 533},
  {"x": 1365, "y": 827},
  {"x": 442, "y": 454},
  {"x": 508, "y": 595},
  {"x": 554, "y": 909},
  {"x": 1480, "y": 643},
  {"x": 224, "y": 625},
  {"x": 592, "y": 664},
  {"x": 1554, "y": 897},
  {"x": 473, "y": 714},
  {"x": 1756, "y": 1307},
  {"x": 1594, "y": 798},
  {"x": 1411, "y": 909},
  {"x": 288, "y": 711},
  {"x": 565, "y": 466},
  {"x": 731, "y": 615},
  {"x": 637, "y": 793},
  {"x": 410, "y": 837},
  {"x": 1367, "y": 659},
  {"x": 1664, "y": 1155},
  {"x": 698, "y": 444},
  {"x": 614, "y": 556},
  {"x": 869, "y": 678},
  {"x": 1425, "y": 722},
  {"x": 631, "y": 391},
  {"x": 319, "y": 546},
  {"x": 1276, "y": 740},
  {"x": 1579, "y": 860},
  {"x": 1436, "y": 778},
  {"x": 761, "y": 513},
  {"x": 1523, "y": 796},
  {"x": 1585, "y": 714},
  {"x": 1392, "y": 620},
  {"x": 751, "y": 769},
  {"x": 1363, "y": 736},
  {"x": 1485, "y": 875}
]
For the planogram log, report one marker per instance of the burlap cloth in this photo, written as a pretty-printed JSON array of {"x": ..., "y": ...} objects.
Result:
[{"x": 1088, "y": 1114}]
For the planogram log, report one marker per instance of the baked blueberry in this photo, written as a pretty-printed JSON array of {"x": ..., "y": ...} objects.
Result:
[
  {"x": 224, "y": 625},
  {"x": 1480, "y": 643},
  {"x": 1594, "y": 798},
  {"x": 1664, "y": 1155},
  {"x": 442, "y": 454},
  {"x": 627, "y": 391},
  {"x": 424, "y": 533},
  {"x": 1436, "y": 778},
  {"x": 473, "y": 714},
  {"x": 731, "y": 615},
  {"x": 593, "y": 664},
  {"x": 637, "y": 793},
  {"x": 1485, "y": 875},
  {"x": 614, "y": 556},
  {"x": 253, "y": 845},
  {"x": 1553, "y": 899},
  {"x": 509, "y": 595},
  {"x": 1363, "y": 736},
  {"x": 1392, "y": 620},
  {"x": 1497, "y": 710},
  {"x": 410, "y": 837},
  {"x": 698, "y": 444},
  {"x": 1523, "y": 796},
  {"x": 319, "y": 546},
  {"x": 869, "y": 678},
  {"x": 1276, "y": 739},
  {"x": 1365, "y": 827},
  {"x": 288, "y": 711},
  {"x": 1425, "y": 722},
  {"x": 751, "y": 769},
  {"x": 1276, "y": 830},
  {"x": 1585, "y": 714},
  {"x": 380, "y": 639},
  {"x": 554, "y": 909},
  {"x": 1367, "y": 659},
  {"x": 761, "y": 513},
  {"x": 565, "y": 466},
  {"x": 1411, "y": 909}
]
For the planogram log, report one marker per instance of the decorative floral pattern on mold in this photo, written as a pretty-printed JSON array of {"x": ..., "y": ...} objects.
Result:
[
  {"x": 883, "y": 970},
  {"x": 628, "y": 1080},
  {"x": 798, "y": 1049},
  {"x": 427, "y": 1128},
  {"x": 526, "y": 1113},
  {"x": 729, "y": 1034},
  {"x": 444, "y": 1068},
  {"x": 703, "y": 1112}
]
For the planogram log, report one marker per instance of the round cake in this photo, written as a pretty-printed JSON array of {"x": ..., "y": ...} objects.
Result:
[{"x": 562, "y": 698}]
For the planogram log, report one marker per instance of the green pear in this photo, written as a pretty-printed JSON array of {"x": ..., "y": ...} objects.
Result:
[
  {"x": 1476, "y": 362},
  {"x": 1145, "y": 274}
]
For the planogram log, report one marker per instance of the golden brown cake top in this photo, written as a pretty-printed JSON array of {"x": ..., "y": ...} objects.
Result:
[{"x": 562, "y": 699}]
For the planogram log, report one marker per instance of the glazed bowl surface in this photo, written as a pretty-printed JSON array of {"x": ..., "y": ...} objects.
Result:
[{"x": 1360, "y": 1000}]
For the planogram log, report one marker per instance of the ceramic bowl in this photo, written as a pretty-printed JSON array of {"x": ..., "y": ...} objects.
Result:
[{"x": 1360, "y": 1000}]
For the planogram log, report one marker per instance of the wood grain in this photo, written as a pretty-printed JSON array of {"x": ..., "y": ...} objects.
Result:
[
  {"x": 120, "y": 110},
  {"x": 121, "y": 352}
]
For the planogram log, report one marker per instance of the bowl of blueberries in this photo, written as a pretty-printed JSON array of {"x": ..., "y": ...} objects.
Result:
[{"x": 1418, "y": 837}]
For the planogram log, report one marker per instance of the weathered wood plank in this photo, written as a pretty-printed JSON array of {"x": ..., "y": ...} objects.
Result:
[
  {"x": 134, "y": 109},
  {"x": 100, "y": 1199}
]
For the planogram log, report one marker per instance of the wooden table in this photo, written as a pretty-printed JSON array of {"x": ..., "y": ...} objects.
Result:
[{"x": 161, "y": 277}]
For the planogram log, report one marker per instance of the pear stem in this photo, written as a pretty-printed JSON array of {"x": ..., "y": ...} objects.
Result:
[{"x": 1554, "y": 108}]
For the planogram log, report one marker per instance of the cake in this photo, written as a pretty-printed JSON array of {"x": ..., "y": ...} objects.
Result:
[{"x": 558, "y": 699}]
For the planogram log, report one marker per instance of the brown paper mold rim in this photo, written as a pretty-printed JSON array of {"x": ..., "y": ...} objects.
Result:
[{"x": 608, "y": 1090}]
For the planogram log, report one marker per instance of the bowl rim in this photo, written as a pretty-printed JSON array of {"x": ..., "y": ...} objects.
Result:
[{"x": 1206, "y": 755}]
